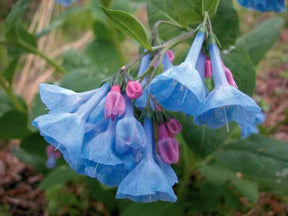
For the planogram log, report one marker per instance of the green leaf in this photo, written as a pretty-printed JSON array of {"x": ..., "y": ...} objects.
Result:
[
  {"x": 192, "y": 11},
  {"x": 258, "y": 42},
  {"x": 200, "y": 139},
  {"x": 38, "y": 108},
  {"x": 5, "y": 104},
  {"x": 129, "y": 25},
  {"x": 32, "y": 151},
  {"x": 19, "y": 8},
  {"x": 13, "y": 125},
  {"x": 9, "y": 72},
  {"x": 219, "y": 175},
  {"x": 258, "y": 158},
  {"x": 226, "y": 23},
  {"x": 58, "y": 176},
  {"x": 154, "y": 209},
  {"x": 242, "y": 68}
]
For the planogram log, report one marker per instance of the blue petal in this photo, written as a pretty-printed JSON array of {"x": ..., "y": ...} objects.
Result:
[
  {"x": 225, "y": 104},
  {"x": 146, "y": 183},
  {"x": 264, "y": 5},
  {"x": 58, "y": 99},
  {"x": 247, "y": 130},
  {"x": 179, "y": 89},
  {"x": 65, "y": 3}
]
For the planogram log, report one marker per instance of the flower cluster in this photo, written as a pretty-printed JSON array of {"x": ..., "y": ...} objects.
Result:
[{"x": 108, "y": 133}]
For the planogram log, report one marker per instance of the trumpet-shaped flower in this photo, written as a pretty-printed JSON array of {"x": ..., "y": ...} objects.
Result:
[
  {"x": 225, "y": 103},
  {"x": 180, "y": 88},
  {"x": 248, "y": 130},
  {"x": 264, "y": 5},
  {"x": 115, "y": 103},
  {"x": 129, "y": 132},
  {"x": 146, "y": 182},
  {"x": 102, "y": 159}
]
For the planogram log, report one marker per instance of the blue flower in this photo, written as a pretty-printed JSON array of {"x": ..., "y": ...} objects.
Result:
[
  {"x": 102, "y": 159},
  {"x": 264, "y": 5},
  {"x": 180, "y": 88},
  {"x": 225, "y": 103},
  {"x": 65, "y": 125},
  {"x": 146, "y": 182},
  {"x": 129, "y": 132},
  {"x": 247, "y": 130},
  {"x": 65, "y": 3}
]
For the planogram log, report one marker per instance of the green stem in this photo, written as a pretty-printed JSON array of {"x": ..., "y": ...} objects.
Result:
[
  {"x": 14, "y": 100},
  {"x": 36, "y": 52}
]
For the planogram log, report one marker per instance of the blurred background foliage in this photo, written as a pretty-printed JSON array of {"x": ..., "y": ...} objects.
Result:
[{"x": 79, "y": 46}]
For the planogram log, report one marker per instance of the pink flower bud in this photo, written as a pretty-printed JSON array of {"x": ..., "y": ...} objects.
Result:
[
  {"x": 171, "y": 55},
  {"x": 208, "y": 68},
  {"x": 133, "y": 89},
  {"x": 115, "y": 103},
  {"x": 174, "y": 127},
  {"x": 229, "y": 77},
  {"x": 168, "y": 150},
  {"x": 162, "y": 132}
]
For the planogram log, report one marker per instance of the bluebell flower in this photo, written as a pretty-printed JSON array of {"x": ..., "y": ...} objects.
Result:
[
  {"x": 264, "y": 5},
  {"x": 129, "y": 132},
  {"x": 65, "y": 125},
  {"x": 65, "y": 3},
  {"x": 225, "y": 103},
  {"x": 102, "y": 159},
  {"x": 146, "y": 182},
  {"x": 141, "y": 102},
  {"x": 180, "y": 88},
  {"x": 248, "y": 130}
]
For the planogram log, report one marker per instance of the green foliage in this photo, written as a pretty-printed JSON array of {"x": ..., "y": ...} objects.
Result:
[{"x": 261, "y": 39}]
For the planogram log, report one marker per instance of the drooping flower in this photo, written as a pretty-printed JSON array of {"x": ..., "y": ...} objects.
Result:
[
  {"x": 180, "y": 88},
  {"x": 248, "y": 130},
  {"x": 115, "y": 103},
  {"x": 52, "y": 157},
  {"x": 225, "y": 103},
  {"x": 65, "y": 3},
  {"x": 129, "y": 132},
  {"x": 133, "y": 89},
  {"x": 167, "y": 145},
  {"x": 65, "y": 125},
  {"x": 264, "y": 5},
  {"x": 102, "y": 159},
  {"x": 147, "y": 181}
]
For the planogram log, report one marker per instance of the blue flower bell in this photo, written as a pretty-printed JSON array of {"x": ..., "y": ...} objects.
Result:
[
  {"x": 147, "y": 182},
  {"x": 180, "y": 88},
  {"x": 225, "y": 103},
  {"x": 248, "y": 130},
  {"x": 264, "y": 5}
]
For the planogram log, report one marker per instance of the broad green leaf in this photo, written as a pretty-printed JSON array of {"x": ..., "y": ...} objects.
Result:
[
  {"x": 101, "y": 31},
  {"x": 38, "y": 108},
  {"x": 13, "y": 125},
  {"x": 258, "y": 158},
  {"x": 219, "y": 175},
  {"x": 242, "y": 68},
  {"x": 32, "y": 151},
  {"x": 192, "y": 11},
  {"x": 5, "y": 104},
  {"x": 200, "y": 139},
  {"x": 258, "y": 42},
  {"x": 154, "y": 209},
  {"x": 129, "y": 25},
  {"x": 59, "y": 175},
  {"x": 9, "y": 72},
  {"x": 226, "y": 23},
  {"x": 165, "y": 31}
]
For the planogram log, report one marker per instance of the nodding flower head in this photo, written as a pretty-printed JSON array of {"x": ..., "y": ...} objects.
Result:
[
  {"x": 264, "y": 5},
  {"x": 147, "y": 182},
  {"x": 225, "y": 103},
  {"x": 180, "y": 88},
  {"x": 115, "y": 103},
  {"x": 133, "y": 89},
  {"x": 167, "y": 145}
]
